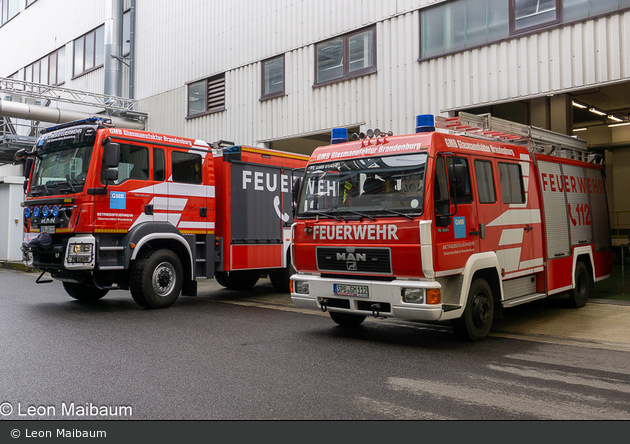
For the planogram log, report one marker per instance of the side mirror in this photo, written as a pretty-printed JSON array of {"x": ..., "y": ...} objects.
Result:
[
  {"x": 28, "y": 166},
  {"x": 297, "y": 185},
  {"x": 110, "y": 175},
  {"x": 111, "y": 155},
  {"x": 443, "y": 221}
]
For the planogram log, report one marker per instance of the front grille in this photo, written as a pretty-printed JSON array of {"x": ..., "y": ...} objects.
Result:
[{"x": 354, "y": 260}]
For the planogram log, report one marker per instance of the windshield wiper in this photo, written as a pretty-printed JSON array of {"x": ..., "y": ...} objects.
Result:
[
  {"x": 361, "y": 214},
  {"x": 38, "y": 191},
  {"x": 408, "y": 216},
  {"x": 327, "y": 214}
]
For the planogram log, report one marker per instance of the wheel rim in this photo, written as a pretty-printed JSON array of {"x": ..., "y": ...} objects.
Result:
[
  {"x": 481, "y": 310},
  {"x": 163, "y": 279}
]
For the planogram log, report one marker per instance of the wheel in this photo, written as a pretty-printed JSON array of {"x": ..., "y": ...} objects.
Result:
[
  {"x": 281, "y": 278},
  {"x": 84, "y": 292},
  {"x": 237, "y": 280},
  {"x": 347, "y": 319},
  {"x": 475, "y": 323},
  {"x": 156, "y": 279},
  {"x": 584, "y": 286}
]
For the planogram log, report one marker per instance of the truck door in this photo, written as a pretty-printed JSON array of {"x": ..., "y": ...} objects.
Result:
[
  {"x": 187, "y": 196},
  {"x": 126, "y": 198},
  {"x": 457, "y": 234}
]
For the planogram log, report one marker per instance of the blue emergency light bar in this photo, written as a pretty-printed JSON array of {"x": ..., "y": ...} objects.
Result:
[{"x": 88, "y": 121}]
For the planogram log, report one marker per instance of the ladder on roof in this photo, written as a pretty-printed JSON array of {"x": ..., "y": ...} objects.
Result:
[{"x": 537, "y": 140}]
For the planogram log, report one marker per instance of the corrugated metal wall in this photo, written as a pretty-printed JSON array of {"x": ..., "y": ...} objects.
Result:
[{"x": 180, "y": 42}]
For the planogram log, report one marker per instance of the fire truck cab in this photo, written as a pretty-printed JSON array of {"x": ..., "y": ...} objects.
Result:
[
  {"x": 452, "y": 223},
  {"x": 109, "y": 208}
]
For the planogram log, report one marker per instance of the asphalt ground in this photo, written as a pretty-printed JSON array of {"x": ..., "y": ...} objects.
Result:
[{"x": 603, "y": 323}]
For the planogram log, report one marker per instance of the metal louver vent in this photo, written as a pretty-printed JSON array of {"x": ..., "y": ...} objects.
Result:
[{"x": 216, "y": 93}]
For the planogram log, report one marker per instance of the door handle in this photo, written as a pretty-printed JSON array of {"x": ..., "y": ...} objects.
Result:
[
  {"x": 529, "y": 228},
  {"x": 474, "y": 233},
  {"x": 148, "y": 210}
]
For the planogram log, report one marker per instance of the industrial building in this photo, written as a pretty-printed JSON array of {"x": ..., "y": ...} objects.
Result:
[{"x": 283, "y": 73}]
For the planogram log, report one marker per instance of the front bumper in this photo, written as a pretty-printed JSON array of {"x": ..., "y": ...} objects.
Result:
[{"x": 384, "y": 298}]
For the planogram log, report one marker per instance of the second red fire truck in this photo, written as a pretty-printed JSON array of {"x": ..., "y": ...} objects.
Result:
[
  {"x": 110, "y": 208},
  {"x": 452, "y": 224}
]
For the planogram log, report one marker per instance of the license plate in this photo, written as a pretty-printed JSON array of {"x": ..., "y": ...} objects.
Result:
[
  {"x": 47, "y": 229},
  {"x": 351, "y": 290}
]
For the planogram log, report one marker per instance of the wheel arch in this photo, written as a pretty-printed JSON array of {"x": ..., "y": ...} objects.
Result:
[
  {"x": 583, "y": 254},
  {"x": 155, "y": 236}
]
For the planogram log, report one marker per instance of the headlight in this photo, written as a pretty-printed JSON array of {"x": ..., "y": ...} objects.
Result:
[
  {"x": 301, "y": 287},
  {"x": 27, "y": 213},
  {"x": 413, "y": 295},
  {"x": 80, "y": 253}
]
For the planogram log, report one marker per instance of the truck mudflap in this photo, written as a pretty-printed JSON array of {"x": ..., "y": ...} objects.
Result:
[{"x": 368, "y": 298}]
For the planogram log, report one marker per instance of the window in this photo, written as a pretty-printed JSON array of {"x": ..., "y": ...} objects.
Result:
[
  {"x": 511, "y": 183},
  {"x": 186, "y": 167},
  {"x": 89, "y": 51},
  {"x": 49, "y": 70},
  {"x": 8, "y": 10},
  {"x": 531, "y": 14},
  {"x": 206, "y": 96},
  {"x": 272, "y": 78},
  {"x": 30, "y": 2},
  {"x": 346, "y": 57},
  {"x": 462, "y": 24},
  {"x": 485, "y": 182},
  {"x": 581, "y": 9},
  {"x": 134, "y": 164},
  {"x": 159, "y": 165}
]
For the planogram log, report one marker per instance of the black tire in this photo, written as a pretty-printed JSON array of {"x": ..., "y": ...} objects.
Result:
[
  {"x": 584, "y": 286},
  {"x": 347, "y": 319},
  {"x": 156, "y": 279},
  {"x": 281, "y": 279},
  {"x": 84, "y": 292},
  {"x": 237, "y": 280},
  {"x": 475, "y": 323}
]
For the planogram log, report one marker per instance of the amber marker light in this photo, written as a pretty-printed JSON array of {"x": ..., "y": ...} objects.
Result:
[{"x": 433, "y": 296}]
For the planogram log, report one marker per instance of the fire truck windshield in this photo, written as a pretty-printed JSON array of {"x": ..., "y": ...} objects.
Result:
[
  {"x": 61, "y": 170},
  {"x": 368, "y": 187}
]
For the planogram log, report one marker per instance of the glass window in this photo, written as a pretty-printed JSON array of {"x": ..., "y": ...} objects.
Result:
[
  {"x": 485, "y": 181},
  {"x": 159, "y": 165},
  {"x": 273, "y": 77},
  {"x": 89, "y": 51},
  {"x": 186, "y": 167},
  {"x": 345, "y": 57},
  {"x": 8, "y": 10},
  {"x": 534, "y": 13},
  {"x": 134, "y": 163},
  {"x": 511, "y": 183},
  {"x": 460, "y": 24}
]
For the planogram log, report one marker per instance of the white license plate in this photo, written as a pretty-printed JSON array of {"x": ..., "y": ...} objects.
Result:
[
  {"x": 351, "y": 290},
  {"x": 47, "y": 229}
]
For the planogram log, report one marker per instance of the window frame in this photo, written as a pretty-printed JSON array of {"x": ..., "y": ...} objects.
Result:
[
  {"x": 5, "y": 8},
  {"x": 490, "y": 186},
  {"x": 511, "y": 166},
  {"x": 175, "y": 171},
  {"x": 346, "y": 73},
  {"x": 547, "y": 24},
  {"x": 264, "y": 95},
  {"x": 94, "y": 61},
  {"x": 48, "y": 64},
  {"x": 207, "y": 111}
]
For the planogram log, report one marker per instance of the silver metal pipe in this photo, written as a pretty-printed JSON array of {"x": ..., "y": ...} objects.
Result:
[
  {"x": 132, "y": 48},
  {"x": 56, "y": 115},
  {"x": 113, "y": 47}
]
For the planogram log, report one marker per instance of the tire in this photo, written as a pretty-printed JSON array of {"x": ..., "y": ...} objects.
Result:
[
  {"x": 237, "y": 280},
  {"x": 347, "y": 319},
  {"x": 84, "y": 292},
  {"x": 584, "y": 287},
  {"x": 156, "y": 279},
  {"x": 281, "y": 279},
  {"x": 475, "y": 323}
]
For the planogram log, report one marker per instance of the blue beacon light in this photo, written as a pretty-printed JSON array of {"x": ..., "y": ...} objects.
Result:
[
  {"x": 36, "y": 212},
  {"x": 55, "y": 211},
  {"x": 27, "y": 213},
  {"x": 425, "y": 123},
  {"x": 339, "y": 135},
  {"x": 45, "y": 211}
]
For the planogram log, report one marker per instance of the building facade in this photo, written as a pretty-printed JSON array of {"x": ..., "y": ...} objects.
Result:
[{"x": 283, "y": 73}]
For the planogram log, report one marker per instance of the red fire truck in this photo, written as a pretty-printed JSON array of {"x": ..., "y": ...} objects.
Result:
[
  {"x": 110, "y": 208},
  {"x": 449, "y": 224}
]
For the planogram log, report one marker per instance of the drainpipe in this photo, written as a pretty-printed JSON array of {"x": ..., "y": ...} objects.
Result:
[
  {"x": 113, "y": 47},
  {"x": 132, "y": 48}
]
